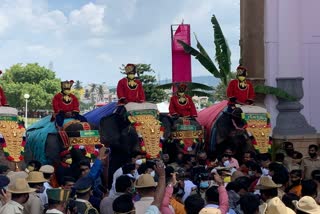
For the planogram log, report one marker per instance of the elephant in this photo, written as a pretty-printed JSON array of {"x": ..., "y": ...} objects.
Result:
[
  {"x": 44, "y": 143},
  {"x": 182, "y": 134},
  {"x": 225, "y": 130}
]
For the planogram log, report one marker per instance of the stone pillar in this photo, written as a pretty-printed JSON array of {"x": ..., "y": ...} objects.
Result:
[
  {"x": 252, "y": 37},
  {"x": 290, "y": 121}
]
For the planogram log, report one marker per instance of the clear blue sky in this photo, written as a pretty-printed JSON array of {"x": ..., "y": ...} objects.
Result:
[{"x": 89, "y": 40}]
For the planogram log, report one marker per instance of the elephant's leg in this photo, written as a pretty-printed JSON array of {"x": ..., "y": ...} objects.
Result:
[{"x": 53, "y": 147}]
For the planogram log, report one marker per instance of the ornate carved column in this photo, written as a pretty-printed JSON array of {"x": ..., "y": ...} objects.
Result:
[{"x": 290, "y": 121}]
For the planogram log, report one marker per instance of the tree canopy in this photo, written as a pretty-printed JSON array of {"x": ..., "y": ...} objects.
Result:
[{"x": 37, "y": 81}]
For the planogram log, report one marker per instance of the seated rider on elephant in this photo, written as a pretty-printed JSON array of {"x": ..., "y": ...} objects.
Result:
[
  {"x": 181, "y": 105},
  {"x": 240, "y": 90},
  {"x": 3, "y": 99},
  {"x": 66, "y": 105},
  {"x": 129, "y": 89}
]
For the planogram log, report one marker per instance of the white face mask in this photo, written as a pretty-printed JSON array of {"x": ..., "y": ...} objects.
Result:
[
  {"x": 226, "y": 163},
  {"x": 265, "y": 171},
  {"x": 153, "y": 173}
]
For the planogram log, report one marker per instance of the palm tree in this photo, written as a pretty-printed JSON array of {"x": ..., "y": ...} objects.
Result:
[
  {"x": 223, "y": 59},
  {"x": 100, "y": 92},
  {"x": 77, "y": 85}
]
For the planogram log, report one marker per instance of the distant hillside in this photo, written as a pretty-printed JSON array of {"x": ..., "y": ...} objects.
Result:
[{"x": 207, "y": 80}]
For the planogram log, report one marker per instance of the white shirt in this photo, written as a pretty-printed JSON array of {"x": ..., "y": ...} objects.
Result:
[
  {"x": 11, "y": 207},
  {"x": 188, "y": 185},
  {"x": 54, "y": 211},
  {"x": 143, "y": 205},
  {"x": 116, "y": 174}
]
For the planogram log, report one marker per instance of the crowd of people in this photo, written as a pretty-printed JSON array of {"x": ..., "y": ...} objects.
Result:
[
  {"x": 191, "y": 184},
  {"x": 185, "y": 184}
]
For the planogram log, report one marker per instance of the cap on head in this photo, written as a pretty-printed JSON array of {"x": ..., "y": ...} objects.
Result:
[
  {"x": 241, "y": 71},
  {"x": 47, "y": 169},
  {"x": 182, "y": 87},
  {"x": 58, "y": 194},
  {"x": 4, "y": 181},
  {"x": 130, "y": 68},
  {"x": 83, "y": 185},
  {"x": 67, "y": 84}
]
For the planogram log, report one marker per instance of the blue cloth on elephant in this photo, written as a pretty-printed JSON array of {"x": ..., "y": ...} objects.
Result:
[
  {"x": 36, "y": 138},
  {"x": 95, "y": 115},
  {"x": 60, "y": 118}
]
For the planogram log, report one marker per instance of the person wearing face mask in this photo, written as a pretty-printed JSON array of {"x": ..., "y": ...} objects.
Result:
[
  {"x": 20, "y": 191},
  {"x": 181, "y": 104},
  {"x": 295, "y": 183},
  {"x": 66, "y": 105},
  {"x": 240, "y": 90},
  {"x": 310, "y": 163},
  {"x": 129, "y": 89}
]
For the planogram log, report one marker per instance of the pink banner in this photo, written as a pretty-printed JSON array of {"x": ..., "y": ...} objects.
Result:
[{"x": 181, "y": 61}]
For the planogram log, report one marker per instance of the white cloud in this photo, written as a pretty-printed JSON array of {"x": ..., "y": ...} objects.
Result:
[
  {"x": 90, "y": 16},
  {"x": 104, "y": 57},
  {"x": 4, "y": 23},
  {"x": 43, "y": 50}
]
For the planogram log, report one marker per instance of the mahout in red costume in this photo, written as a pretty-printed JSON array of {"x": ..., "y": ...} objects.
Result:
[
  {"x": 240, "y": 90},
  {"x": 3, "y": 99},
  {"x": 129, "y": 89},
  {"x": 181, "y": 104},
  {"x": 66, "y": 105}
]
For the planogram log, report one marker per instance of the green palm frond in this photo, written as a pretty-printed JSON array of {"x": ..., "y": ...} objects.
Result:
[
  {"x": 165, "y": 86},
  {"x": 263, "y": 89},
  {"x": 203, "y": 59},
  {"x": 223, "y": 53},
  {"x": 193, "y": 88}
]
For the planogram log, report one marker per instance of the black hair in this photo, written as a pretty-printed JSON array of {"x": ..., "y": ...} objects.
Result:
[
  {"x": 35, "y": 163},
  {"x": 253, "y": 166},
  {"x": 269, "y": 193},
  {"x": 244, "y": 182},
  {"x": 296, "y": 172},
  {"x": 279, "y": 157},
  {"x": 288, "y": 198},
  {"x": 127, "y": 168},
  {"x": 313, "y": 146},
  {"x": 84, "y": 162},
  {"x": 281, "y": 175},
  {"x": 68, "y": 179},
  {"x": 212, "y": 195},
  {"x": 123, "y": 204},
  {"x": 249, "y": 203},
  {"x": 309, "y": 188},
  {"x": 265, "y": 156},
  {"x": 297, "y": 155},
  {"x": 252, "y": 154},
  {"x": 3, "y": 169},
  {"x": 123, "y": 183},
  {"x": 142, "y": 169},
  {"x": 193, "y": 204},
  {"x": 47, "y": 175},
  {"x": 287, "y": 143}
]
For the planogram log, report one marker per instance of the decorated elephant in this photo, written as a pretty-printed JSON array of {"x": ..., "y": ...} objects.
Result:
[
  {"x": 183, "y": 134},
  {"x": 44, "y": 143},
  {"x": 127, "y": 130},
  {"x": 246, "y": 128},
  {"x": 12, "y": 138}
]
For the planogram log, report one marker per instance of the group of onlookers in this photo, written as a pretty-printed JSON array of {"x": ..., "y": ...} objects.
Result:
[{"x": 190, "y": 184}]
